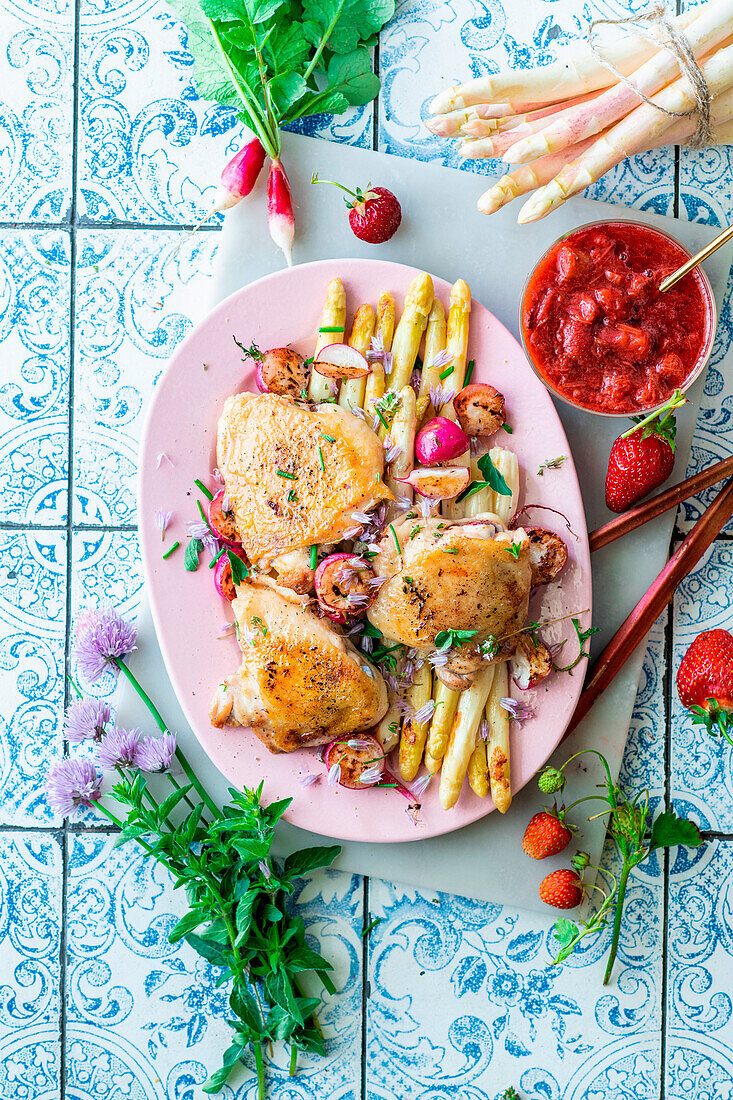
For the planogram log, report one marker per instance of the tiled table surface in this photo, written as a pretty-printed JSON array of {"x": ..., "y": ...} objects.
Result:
[{"x": 106, "y": 153}]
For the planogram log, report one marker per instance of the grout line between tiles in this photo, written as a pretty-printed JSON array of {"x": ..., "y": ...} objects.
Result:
[
  {"x": 364, "y": 984},
  {"x": 75, "y": 222}
]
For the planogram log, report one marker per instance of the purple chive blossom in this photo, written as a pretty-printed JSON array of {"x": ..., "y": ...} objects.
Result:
[
  {"x": 360, "y": 744},
  {"x": 266, "y": 872},
  {"x": 217, "y": 476},
  {"x": 352, "y": 533},
  {"x": 404, "y": 708},
  {"x": 375, "y": 422},
  {"x": 309, "y": 780},
  {"x": 86, "y": 719},
  {"x": 555, "y": 648},
  {"x": 438, "y": 659},
  {"x": 424, "y": 713},
  {"x": 162, "y": 519},
  {"x": 119, "y": 748},
  {"x": 376, "y": 582},
  {"x": 72, "y": 782},
  {"x": 197, "y": 529},
  {"x": 440, "y": 395},
  {"x": 359, "y": 412},
  {"x": 334, "y": 774},
  {"x": 100, "y": 637},
  {"x": 162, "y": 457},
  {"x": 154, "y": 754},
  {"x": 420, "y": 785},
  {"x": 426, "y": 507},
  {"x": 371, "y": 775},
  {"x": 367, "y": 644},
  {"x": 362, "y": 517},
  {"x": 226, "y": 504},
  {"x": 376, "y": 349},
  {"x": 442, "y": 359},
  {"x": 519, "y": 711},
  {"x": 484, "y": 730}
]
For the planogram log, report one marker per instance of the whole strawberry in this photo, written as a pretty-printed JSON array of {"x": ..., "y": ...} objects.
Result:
[
  {"x": 643, "y": 457},
  {"x": 562, "y": 889},
  {"x": 546, "y": 835},
  {"x": 374, "y": 214},
  {"x": 705, "y": 679}
]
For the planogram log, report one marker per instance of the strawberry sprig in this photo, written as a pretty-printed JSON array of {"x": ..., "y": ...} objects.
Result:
[
  {"x": 661, "y": 423},
  {"x": 716, "y": 719},
  {"x": 635, "y": 837}
]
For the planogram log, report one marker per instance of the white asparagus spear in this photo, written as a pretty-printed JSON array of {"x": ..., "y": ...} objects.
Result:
[
  {"x": 497, "y": 749},
  {"x": 711, "y": 26},
  {"x": 402, "y": 434},
  {"x": 638, "y": 130},
  {"x": 462, "y": 738},
  {"x": 333, "y": 317},
  {"x": 414, "y": 734},
  {"x": 500, "y": 144},
  {"x": 409, "y": 332},
  {"x": 577, "y": 73},
  {"x": 351, "y": 394},
  {"x": 434, "y": 344},
  {"x": 476, "y": 126},
  {"x": 478, "y": 769},
  {"x": 456, "y": 345},
  {"x": 385, "y": 330}
]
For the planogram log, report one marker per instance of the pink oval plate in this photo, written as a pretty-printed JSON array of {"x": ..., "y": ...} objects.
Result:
[{"x": 190, "y": 616}]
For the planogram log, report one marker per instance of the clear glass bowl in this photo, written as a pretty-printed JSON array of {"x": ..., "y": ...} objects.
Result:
[{"x": 707, "y": 347}]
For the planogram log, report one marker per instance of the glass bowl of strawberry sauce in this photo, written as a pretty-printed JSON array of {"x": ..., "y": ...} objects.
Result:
[{"x": 598, "y": 332}]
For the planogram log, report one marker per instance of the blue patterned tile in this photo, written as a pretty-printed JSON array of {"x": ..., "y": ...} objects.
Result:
[
  {"x": 150, "y": 149},
  {"x": 32, "y": 619},
  {"x": 136, "y": 300},
  {"x": 149, "y": 1011},
  {"x": 30, "y": 935},
  {"x": 700, "y": 954},
  {"x": 643, "y": 762},
  {"x": 701, "y": 766},
  {"x": 36, "y": 110},
  {"x": 34, "y": 346}
]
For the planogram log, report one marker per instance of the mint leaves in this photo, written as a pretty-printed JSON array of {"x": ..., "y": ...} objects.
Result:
[
  {"x": 492, "y": 480},
  {"x": 276, "y": 61}
]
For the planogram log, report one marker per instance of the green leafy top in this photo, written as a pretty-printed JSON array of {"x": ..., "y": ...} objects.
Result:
[
  {"x": 661, "y": 423},
  {"x": 493, "y": 479},
  {"x": 276, "y": 61}
]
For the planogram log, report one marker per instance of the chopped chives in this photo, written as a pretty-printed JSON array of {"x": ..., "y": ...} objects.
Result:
[
  {"x": 450, "y": 550},
  {"x": 292, "y": 496},
  {"x": 307, "y": 362},
  {"x": 213, "y": 561},
  {"x": 170, "y": 551},
  {"x": 320, "y": 456},
  {"x": 507, "y": 428},
  {"x": 446, "y": 373},
  {"x": 204, "y": 490},
  {"x": 379, "y": 414},
  {"x": 396, "y": 540},
  {"x": 203, "y": 514},
  {"x": 330, "y": 438},
  {"x": 286, "y": 475},
  {"x": 469, "y": 372},
  {"x": 314, "y": 556},
  {"x": 331, "y": 328}
]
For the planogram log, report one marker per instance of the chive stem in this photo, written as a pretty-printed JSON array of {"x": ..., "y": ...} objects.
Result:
[
  {"x": 170, "y": 550},
  {"x": 314, "y": 556},
  {"x": 286, "y": 475},
  {"x": 320, "y": 456},
  {"x": 200, "y": 485},
  {"x": 213, "y": 561},
  {"x": 396, "y": 540},
  {"x": 446, "y": 373},
  {"x": 331, "y": 328},
  {"x": 469, "y": 372}
]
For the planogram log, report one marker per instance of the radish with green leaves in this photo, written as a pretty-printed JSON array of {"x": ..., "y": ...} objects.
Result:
[
  {"x": 280, "y": 219},
  {"x": 239, "y": 176}
]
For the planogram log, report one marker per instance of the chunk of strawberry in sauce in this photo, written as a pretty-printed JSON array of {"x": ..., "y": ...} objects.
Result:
[
  {"x": 571, "y": 263},
  {"x": 576, "y": 339},
  {"x": 627, "y": 341},
  {"x": 583, "y": 307},
  {"x": 612, "y": 301}
]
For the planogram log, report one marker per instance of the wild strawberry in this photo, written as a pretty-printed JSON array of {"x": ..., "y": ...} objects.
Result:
[
  {"x": 643, "y": 457},
  {"x": 562, "y": 889},
  {"x": 551, "y": 780},
  {"x": 374, "y": 214},
  {"x": 546, "y": 835},
  {"x": 705, "y": 679}
]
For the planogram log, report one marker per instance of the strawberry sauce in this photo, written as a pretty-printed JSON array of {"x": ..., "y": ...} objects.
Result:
[{"x": 596, "y": 327}]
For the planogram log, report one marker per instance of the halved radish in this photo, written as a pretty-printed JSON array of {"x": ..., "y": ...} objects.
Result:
[
  {"x": 341, "y": 361},
  {"x": 480, "y": 409},
  {"x": 440, "y": 441},
  {"x": 342, "y": 586},
  {"x": 282, "y": 371},
  {"x": 548, "y": 554},
  {"x": 439, "y": 482},
  {"x": 223, "y": 581},
  {"x": 531, "y": 663},
  {"x": 359, "y": 758},
  {"x": 222, "y": 522}
]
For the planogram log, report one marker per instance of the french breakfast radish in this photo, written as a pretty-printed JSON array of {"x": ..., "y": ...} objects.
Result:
[
  {"x": 223, "y": 581},
  {"x": 531, "y": 663},
  {"x": 222, "y": 522},
  {"x": 282, "y": 371},
  {"x": 439, "y": 482},
  {"x": 239, "y": 176},
  {"x": 548, "y": 554},
  {"x": 341, "y": 361},
  {"x": 440, "y": 440},
  {"x": 280, "y": 219},
  {"x": 359, "y": 760}
]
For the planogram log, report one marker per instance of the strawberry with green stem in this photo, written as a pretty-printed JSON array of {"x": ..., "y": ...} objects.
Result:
[
  {"x": 374, "y": 214},
  {"x": 635, "y": 838},
  {"x": 643, "y": 457},
  {"x": 705, "y": 682}
]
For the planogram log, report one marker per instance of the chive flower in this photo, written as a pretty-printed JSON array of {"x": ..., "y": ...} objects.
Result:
[
  {"x": 155, "y": 754},
  {"x": 86, "y": 720},
  {"x": 102, "y": 636},
  {"x": 72, "y": 783},
  {"x": 119, "y": 748}
]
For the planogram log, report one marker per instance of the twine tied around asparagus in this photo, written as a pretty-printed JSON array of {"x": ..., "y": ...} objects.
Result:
[{"x": 678, "y": 45}]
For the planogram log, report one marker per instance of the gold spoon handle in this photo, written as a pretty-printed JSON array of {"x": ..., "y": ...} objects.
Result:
[{"x": 708, "y": 250}]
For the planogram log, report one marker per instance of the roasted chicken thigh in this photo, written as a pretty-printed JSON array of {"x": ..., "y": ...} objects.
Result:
[
  {"x": 301, "y": 681},
  {"x": 294, "y": 474}
]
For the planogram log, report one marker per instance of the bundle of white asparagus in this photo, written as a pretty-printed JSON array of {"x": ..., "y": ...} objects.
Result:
[{"x": 568, "y": 123}]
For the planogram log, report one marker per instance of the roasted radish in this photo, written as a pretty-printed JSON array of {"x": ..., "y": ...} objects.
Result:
[
  {"x": 548, "y": 554},
  {"x": 440, "y": 440},
  {"x": 439, "y": 482},
  {"x": 343, "y": 586},
  {"x": 531, "y": 662},
  {"x": 223, "y": 580},
  {"x": 480, "y": 409},
  {"x": 357, "y": 762},
  {"x": 221, "y": 521},
  {"x": 280, "y": 370},
  {"x": 341, "y": 361}
]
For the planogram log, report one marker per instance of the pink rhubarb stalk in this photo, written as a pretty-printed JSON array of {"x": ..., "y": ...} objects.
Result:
[
  {"x": 239, "y": 175},
  {"x": 280, "y": 219}
]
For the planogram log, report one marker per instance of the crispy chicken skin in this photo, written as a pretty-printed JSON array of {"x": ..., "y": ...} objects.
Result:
[
  {"x": 301, "y": 682},
  {"x": 261, "y": 435},
  {"x": 451, "y": 576}
]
